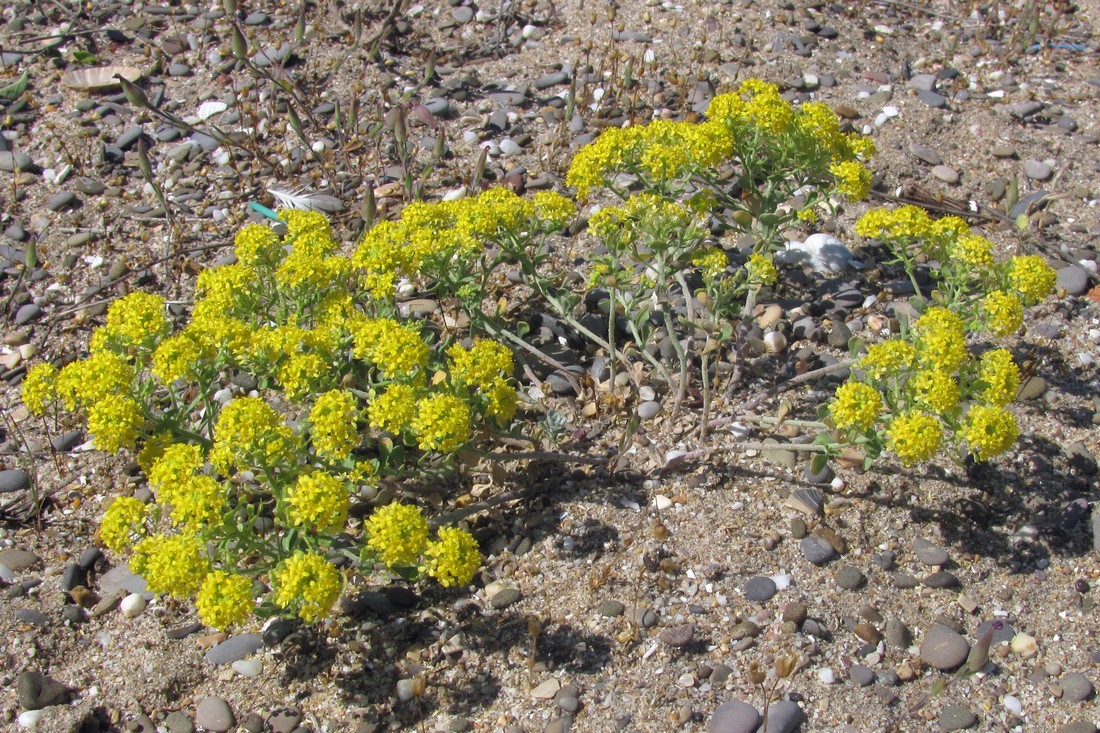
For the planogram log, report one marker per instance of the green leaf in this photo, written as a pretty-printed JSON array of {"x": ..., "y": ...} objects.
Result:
[
  {"x": 824, "y": 439},
  {"x": 855, "y": 346},
  {"x": 84, "y": 57},
  {"x": 17, "y": 87},
  {"x": 1023, "y": 222},
  {"x": 818, "y": 462}
]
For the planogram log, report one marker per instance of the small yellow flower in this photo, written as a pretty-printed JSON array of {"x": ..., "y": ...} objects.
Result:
[
  {"x": 553, "y": 209},
  {"x": 174, "y": 564},
  {"x": 394, "y": 349},
  {"x": 482, "y": 364},
  {"x": 249, "y": 434},
  {"x": 1004, "y": 313},
  {"x": 442, "y": 423},
  {"x": 395, "y": 409},
  {"x": 197, "y": 502},
  {"x": 176, "y": 358},
  {"x": 711, "y": 261},
  {"x": 1032, "y": 278},
  {"x": 224, "y": 599},
  {"x": 502, "y": 401},
  {"x": 989, "y": 431},
  {"x": 888, "y": 359},
  {"x": 301, "y": 373},
  {"x": 115, "y": 423},
  {"x": 123, "y": 523},
  {"x": 454, "y": 558},
  {"x": 935, "y": 390},
  {"x": 40, "y": 387},
  {"x": 257, "y": 245},
  {"x": 853, "y": 180},
  {"x": 318, "y": 501},
  {"x": 87, "y": 381},
  {"x": 973, "y": 251},
  {"x": 307, "y": 583},
  {"x": 1001, "y": 376},
  {"x": 761, "y": 269},
  {"x": 914, "y": 436},
  {"x": 941, "y": 340},
  {"x": 856, "y": 406},
  {"x": 332, "y": 424},
  {"x": 136, "y": 320},
  {"x": 398, "y": 533}
]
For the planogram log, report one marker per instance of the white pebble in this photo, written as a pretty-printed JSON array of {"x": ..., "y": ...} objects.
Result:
[
  {"x": 529, "y": 31},
  {"x": 455, "y": 194},
  {"x": 891, "y": 111},
  {"x": 782, "y": 582},
  {"x": 248, "y": 667},
  {"x": 470, "y": 137},
  {"x": 647, "y": 393},
  {"x": 318, "y": 147},
  {"x": 1024, "y": 645},
  {"x": 132, "y": 605},
  {"x": 1013, "y": 704},
  {"x": 509, "y": 146},
  {"x": 29, "y": 718},
  {"x": 837, "y": 483},
  {"x": 774, "y": 342},
  {"x": 826, "y": 675},
  {"x": 662, "y": 502},
  {"x": 880, "y": 120},
  {"x": 220, "y": 156}
]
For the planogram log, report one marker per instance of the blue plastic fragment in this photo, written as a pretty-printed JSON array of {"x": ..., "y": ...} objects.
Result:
[{"x": 261, "y": 209}]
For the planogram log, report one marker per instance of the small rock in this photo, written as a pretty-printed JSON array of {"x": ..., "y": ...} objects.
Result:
[
  {"x": 898, "y": 634},
  {"x": 942, "y": 579},
  {"x": 1078, "y": 726},
  {"x": 18, "y": 560},
  {"x": 504, "y": 598},
  {"x": 1024, "y": 645},
  {"x": 1033, "y": 388},
  {"x": 759, "y": 589},
  {"x": 849, "y": 578},
  {"x": 957, "y": 717},
  {"x": 817, "y": 550},
  {"x": 36, "y": 691},
  {"x": 27, "y": 313},
  {"x": 12, "y": 480},
  {"x": 546, "y": 689},
  {"x": 924, "y": 153},
  {"x": 935, "y": 100},
  {"x": 1076, "y": 687},
  {"x": 213, "y": 714},
  {"x": 248, "y": 667},
  {"x": 784, "y": 717},
  {"x": 234, "y": 648},
  {"x": 1073, "y": 279},
  {"x": 678, "y": 636},
  {"x": 648, "y": 410},
  {"x": 944, "y": 648},
  {"x": 610, "y": 608},
  {"x": 1037, "y": 170},
  {"x": 132, "y": 605},
  {"x": 862, "y": 676},
  {"x": 284, "y": 721},
  {"x": 929, "y": 553},
  {"x": 177, "y": 722},
  {"x": 61, "y": 200},
  {"x": 31, "y": 616},
  {"x": 945, "y": 173}
]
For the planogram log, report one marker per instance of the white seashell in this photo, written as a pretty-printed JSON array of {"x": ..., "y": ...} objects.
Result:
[
  {"x": 210, "y": 108},
  {"x": 29, "y": 718},
  {"x": 132, "y": 605},
  {"x": 248, "y": 667},
  {"x": 100, "y": 79},
  {"x": 455, "y": 194},
  {"x": 775, "y": 342},
  {"x": 662, "y": 502}
]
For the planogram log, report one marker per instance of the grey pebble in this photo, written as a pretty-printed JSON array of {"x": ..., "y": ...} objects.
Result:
[
  {"x": 177, "y": 722},
  {"x": 27, "y": 313},
  {"x": 130, "y": 137},
  {"x": 66, "y": 441},
  {"x": 550, "y": 80},
  {"x": 898, "y": 634},
  {"x": 929, "y": 553},
  {"x": 252, "y": 723},
  {"x": 923, "y": 82},
  {"x": 942, "y": 579},
  {"x": 734, "y": 717},
  {"x": 234, "y": 648},
  {"x": 817, "y": 550},
  {"x": 504, "y": 598},
  {"x": 957, "y": 717},
  {"x": 862, "y": 676},
  {"x": 36, "y": 691},
  {"x": 924, "y": 153},
  {"x": 1037, "y": 170},
  {"x": 678, "y": 636},
  {"x": 1032, "y": 389},
  {"x": 1073, "y": 279},
  {"x": 1078, "y": 726},
  {"x": 73, "y": 576},
  {"x": 943, "y": 648},
  {"x": 213, "y": 714},
  {"x": 506, "y": 98},
  {"x": 784, "y": 717},
  {"x": 32, "y": 616},
  {"x": 935, "y": 100},
  {"x": 14, "y": 161},
  {"x": 759, "y": 589},
  {"x": 1003, "y": 151},
  {"x": 256, "y": 17},
  {"x": 89, "y": 558},
  {"x": 61, "y": 200},
  {"x": 1076, "y": 687},
  {"x": 463, "y": 14},
  {"x": 945, "y": 173},
  {"x": 121, "y": 578},
  {"x": 644, "y": 617},
  {"x": 179, "y": 69},
  {"x": 14, "y": 479},
  {"x": 438, "y": 106},
  {"x": 284, "y": 720},
  {"x": 648, "y": 410},
  {"x": 18, "y": 560},
  {"x": 849, "y": 578},
  {"x": 1001, "y": 635}
]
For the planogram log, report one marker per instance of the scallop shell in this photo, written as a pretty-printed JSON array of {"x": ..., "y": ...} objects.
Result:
[
  {"x": 100, "y": 78},
  {"x": 808, "y": 501}
]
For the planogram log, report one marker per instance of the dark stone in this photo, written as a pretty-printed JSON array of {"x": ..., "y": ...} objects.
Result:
[{"x": 37, "y": 691}]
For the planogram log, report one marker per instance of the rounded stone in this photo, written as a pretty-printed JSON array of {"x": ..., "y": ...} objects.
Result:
[
  {"x": 1073, "y": 279},
  {"x": 945, "y": 173},
  {"x": 943, "y": 648},
  {"x": 1037, "y": 170},
  {"x": 862, "y": 676},
  {"x": 759, "y": 589},
  {"x": 648, "y": 410},
  {"x": 504, "y": 598},
  {"x": 817, "y": 550},
  {"x": 610, "y": 608},
  {"x": 678, "y": 636},
  {"x": 734, "y": 717},
  {"x": 1076, "y": 687},
  {"x": 234, "y": 648},
  {"x": 14, "y": 479},
  {"x": 213, "y": 714},
  {"x": 929, "y": 553},
  {"x": 957, "y": 717},
  {"x": 849, "y": 578},
  {"x": 784, "y": 717}
]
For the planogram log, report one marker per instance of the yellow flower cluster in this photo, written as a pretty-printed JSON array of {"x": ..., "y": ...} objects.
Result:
[
  {"x": 935, "y": 389},
  {"x": 40, "y": 388},
  {"x": 914, "y": 436},
  {"x": 301, "y": 374},
  {"x": 123, "y": 523},
  {"x": 318, "y": 501},
  {"x": 332, "y": 424},
  {"x": 856, "y": 407},
  {"x": 454, "y": 558},
  {"x": 177, "y": 357},
  {"x": 442, "y": 423},
  {"x": 398, "y": 533},
  {"x": 87, "y": 381},
  {"x": 135, "y": 321},
  {"x": 250, "y": 434},
  {"x": 989, "y": 431},
  {"x": 941, "y": 340},
  {"x": 224, "y": 599},
  {"x": 172, "y": 564},
  {"x": 257, "y": 245},
  {"x": 1004, "y": 313},
  {"x": 853, "y": 180},
  {"x": 486, "y": 366},
  {"x": 998, "y": 372},
  {"x": 973, "y": 251},
  {"x": 307, "y": 583},
  {"x": 761, "y": 269},
  {"x": 115, "y": 422},
  {"x": 394, "y": 410},
  {"x": 902, "y": 223},
  {"x": 553, "y": 209},
  {"x": 888, "y": 359},
  {"x": 395, "y": 350},
  {"x": 711, "y": 261},
  {"x": 197, "y": 500},
  {"x": 1032, "y": 278}
]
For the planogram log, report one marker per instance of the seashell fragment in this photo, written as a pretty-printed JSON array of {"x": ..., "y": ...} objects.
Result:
[{"x": 99, "y": 78}]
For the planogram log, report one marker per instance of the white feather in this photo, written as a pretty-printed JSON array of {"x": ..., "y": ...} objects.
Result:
[{"x": 305, "y": 201}]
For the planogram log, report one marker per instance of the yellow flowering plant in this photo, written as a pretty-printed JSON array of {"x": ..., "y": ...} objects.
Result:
[{"x": 248, "y": 503}]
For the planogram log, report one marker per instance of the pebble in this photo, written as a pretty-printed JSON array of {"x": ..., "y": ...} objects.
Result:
[
  {"x": 929, "y": 553},
  {"x": 610, "y": 608},
  {"x": 1073, "y": 279},
  {"x": 1076, "y": 687},
  {"x": 248, "y": 667},
  {"x": 734, "y": 717},
  {"x": 36, "y": 691},
  {"x": 784, "y": 717},
  {"x": 546, "y": 689},
  {"x": 678, "y": 636},
  {"x": 213, "y": 714},
  {"x": 945, "y": 173},
  {"x": 935, "y": 100},
  {"x": 849, "y": 578},
  {"x": 32, "y": 616},
  {"x": 898, "y": 634},
  {"x": 826, "y": 675},
  {"x": 1078, "y": 726},
  {"x": 14, "y": 161},
  {"x": 18, "y": 560},
  {"x": 942, "y": 579},
  {"x": 957, "y": 717},
  {"x": 405, "y": 690},
  {"x": 924, "y": 153},
  {"x": 817, "y": 550},
  {"x": 132, "y": 605},
  {"x": 29, "y": 718},
  {"x": 944, "y": 648},
  {"x": 234, "y": 648},
  {"x": 648, "y": 410},
  {"x": 1037, "y": 170},
  {"x": 284, "y": 720},
  {"x": 759, "y": 589},
  {"x": 27, "y": 313},
  {"x": 1024, "y": 645},
  {"x": 504, "y": 598},
  {"x": 862, "y": 676},
  {"x": 1012, "y": 704},
  {"x": 177, "y": 722}
]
